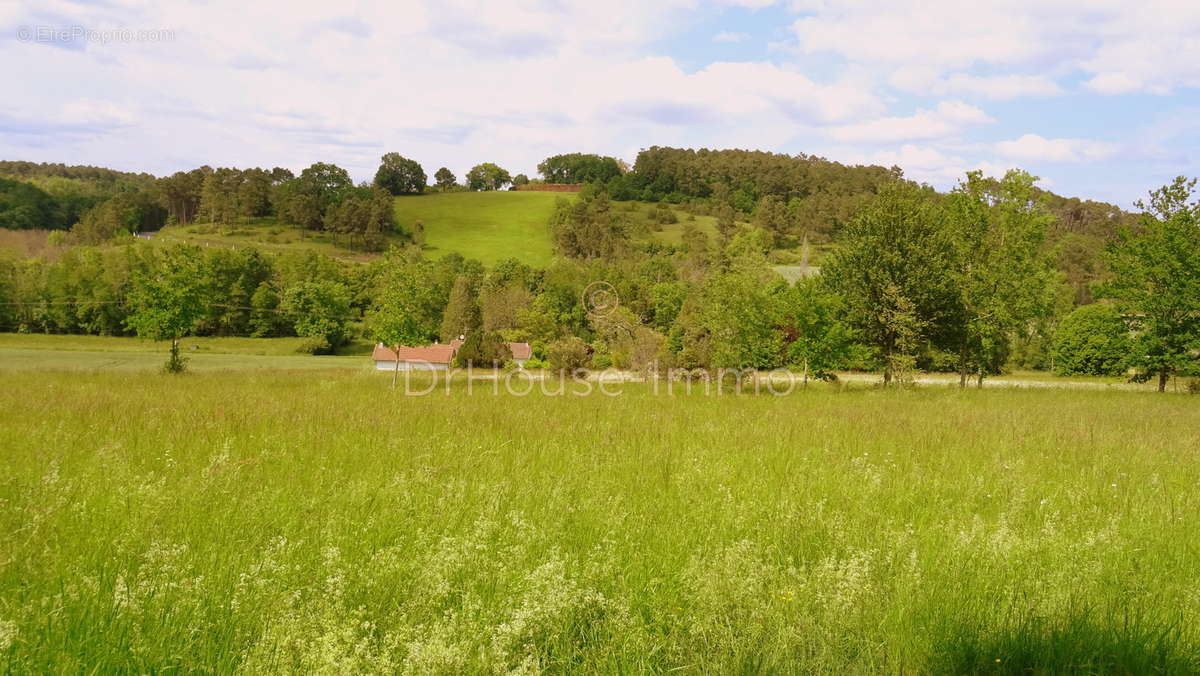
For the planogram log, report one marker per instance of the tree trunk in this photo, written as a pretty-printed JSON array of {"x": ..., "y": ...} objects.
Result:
[
  {"x": 1163, "y": 374},
  {"x": 806, "y": 373},
  {"x": 396, "y": 367},
  {"x": 962, "y": 365}
]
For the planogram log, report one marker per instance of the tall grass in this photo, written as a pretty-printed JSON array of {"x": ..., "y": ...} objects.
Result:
[{"x": 319, "y": 523}]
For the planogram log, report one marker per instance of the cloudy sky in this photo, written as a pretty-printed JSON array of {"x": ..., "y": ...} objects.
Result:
[{"x": 1101, "y": 102}]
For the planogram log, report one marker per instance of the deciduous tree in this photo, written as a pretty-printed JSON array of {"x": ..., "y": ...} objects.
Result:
[{"x": 1156, "y": 281}]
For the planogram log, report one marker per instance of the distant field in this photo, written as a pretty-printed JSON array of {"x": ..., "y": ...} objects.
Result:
[
  {"x": 265, "y": 234},
  {"x": 20, "y": 352},
  {"x": 262, "y": 522},
  {"x": 486, "y": 226}
]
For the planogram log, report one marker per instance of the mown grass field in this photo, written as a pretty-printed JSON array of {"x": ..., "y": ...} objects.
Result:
[
  {"x": 263, "y": 521},
  {"x": 486, "y": 226}
]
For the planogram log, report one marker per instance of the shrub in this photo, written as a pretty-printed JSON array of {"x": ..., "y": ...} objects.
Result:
[
  {"x": 568, "y": 354},
  {"x": 314, "y": 345},
  {"x": 1093, "y": 340}
]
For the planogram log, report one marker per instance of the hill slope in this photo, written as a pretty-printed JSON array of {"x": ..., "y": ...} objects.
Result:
[{"x": 486, "y": 226}]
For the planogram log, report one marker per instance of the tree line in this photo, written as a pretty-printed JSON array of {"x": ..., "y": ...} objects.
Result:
[{"x": 960, "y": 282}]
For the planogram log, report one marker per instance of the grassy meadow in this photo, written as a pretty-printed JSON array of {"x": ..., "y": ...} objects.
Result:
[
  {"x": 269, "y": 235},
  {"x": 266, "y": 521},
  {"x": 486, "y": 226},
  {"x": 31, "y": 351}
]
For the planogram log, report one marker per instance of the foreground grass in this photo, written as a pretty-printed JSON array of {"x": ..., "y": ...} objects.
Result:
[
  {"x": 486, "y": 226},
  {"x": 317, "y": 522}
]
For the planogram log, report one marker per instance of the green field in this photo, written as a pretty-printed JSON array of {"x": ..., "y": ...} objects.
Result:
[
  {"x": 269, "y": 235},
  {"x": 27, "y": 352},
  {"x": 486, "y": 226},
  {"x": 306, "y": 522}
]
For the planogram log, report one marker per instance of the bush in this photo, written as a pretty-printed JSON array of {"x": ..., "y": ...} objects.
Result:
[
  {"x": 568, "y": 354},
  {"x": 1091, "y": 341},
  {"x": 534, "y": 363},
  {"x": 314, "y": 345}
]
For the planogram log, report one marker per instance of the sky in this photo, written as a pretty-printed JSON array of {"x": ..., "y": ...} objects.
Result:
[{"x": 1099, "y": 98}]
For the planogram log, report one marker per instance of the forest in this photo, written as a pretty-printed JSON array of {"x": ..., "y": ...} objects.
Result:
[{"x": 993, "y": 275}]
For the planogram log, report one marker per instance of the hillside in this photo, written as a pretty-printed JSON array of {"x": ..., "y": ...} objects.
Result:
[
  {"x": 267, "y": 234},
  {"x": 486, "y": 226}
]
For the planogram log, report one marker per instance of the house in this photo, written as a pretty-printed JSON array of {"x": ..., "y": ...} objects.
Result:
[
  {"x": 521, "y": 353},
  {"x": 437, "y": 357},
  {"x": 428, "y": 358}
]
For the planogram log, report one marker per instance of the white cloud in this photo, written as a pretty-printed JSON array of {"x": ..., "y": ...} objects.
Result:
[
  {"x": 455, "y": 83},
  {"x": 1122, "y": 47},
  {"x": 1032, "y": 147},
  {"x": 447, "y": 84},
  {"x": 947, "y": 119}
]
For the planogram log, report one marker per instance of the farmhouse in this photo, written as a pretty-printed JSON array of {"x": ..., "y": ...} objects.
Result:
[{"x": 437, "y": 357}]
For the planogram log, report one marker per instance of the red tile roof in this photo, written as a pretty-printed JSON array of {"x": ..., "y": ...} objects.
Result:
[
  {"x": 440, "y": 354},
  {"x": 520, "y": 350},
  {"x": 431, "y": 354}
]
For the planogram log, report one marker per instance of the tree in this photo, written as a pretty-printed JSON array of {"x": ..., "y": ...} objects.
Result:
[
  {"x": 319, "y": 310},
  {"x": 168, "y": 299},
  {"x": 482, "y": 348},
  {"x": 579, "y": 168},
  {"x": 817, "y": 339},
  {"x": 1091, "y": 341},
  {"x": 24, "y": 206},
  {"x": 445, "y": 178},
  {"x": 264, "y": 317},
  {"x": 365, "y": 214},
  {"x": 520, "y": 179},
  {"x": 304, "y": 200},
  {"x": 568, "y": 355},
  {"x": 741, "y": 315},
  {"x": 890, "y": 269},
  {"x": 400, "y": 175},
  {"x": 462, "y": 312},
  {"x": 409, "y": 303},
  {"x": 487, "y": 176},
  {"x": 1156, "y": 281},
  {"x": 726, "y": 226},
  {"x": 254, "y": 199},
  {"x": 997, "y": 268},
  {"x": 220, "y": 195},
  {"x": 588, "y": 227}
]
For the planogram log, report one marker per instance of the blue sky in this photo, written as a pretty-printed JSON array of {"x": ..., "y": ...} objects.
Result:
[{"x": 1100, "y": 102}]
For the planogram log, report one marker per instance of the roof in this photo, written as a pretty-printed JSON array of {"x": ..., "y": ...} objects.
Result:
[
  {"x": 520, "y": 350},
  {"x": 431, "y": 354},
  {"x": 440, "y": 354}
]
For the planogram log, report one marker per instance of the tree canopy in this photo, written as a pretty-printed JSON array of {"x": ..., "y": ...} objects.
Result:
[
  {"x": 400, "y": 175},
  {"x": 487, "y": 176}
]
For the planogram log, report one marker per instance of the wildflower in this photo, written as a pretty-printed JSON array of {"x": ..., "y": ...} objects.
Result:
[{"x": 8, "y": 632}]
